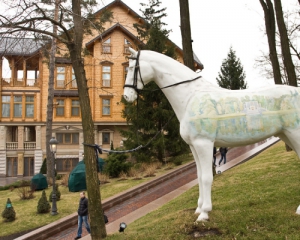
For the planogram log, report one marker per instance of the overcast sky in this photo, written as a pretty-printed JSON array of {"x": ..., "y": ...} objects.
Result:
[{"x": 216, "y": 25}]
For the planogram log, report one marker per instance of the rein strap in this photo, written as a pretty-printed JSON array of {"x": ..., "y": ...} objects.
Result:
[{"x": 186, "y": 81}]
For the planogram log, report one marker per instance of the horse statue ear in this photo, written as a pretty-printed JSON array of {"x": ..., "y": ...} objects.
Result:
[{"x": 133, "y": 52}]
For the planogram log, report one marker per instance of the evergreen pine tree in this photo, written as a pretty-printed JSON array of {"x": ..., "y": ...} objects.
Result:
[
  {"x": 152, "y": 111},
  {"x": 43, "y": 205},
  {"x": 9, "y": 213},
  {"x": 232, "y": 75},
  {"x": 43, "y": 169}
]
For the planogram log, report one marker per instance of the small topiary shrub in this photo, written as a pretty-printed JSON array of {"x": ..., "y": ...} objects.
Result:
[
  {"x": 43, "y": 205},
  {"x": 57, "y": 194},
  {"x": 9, "y": 213}
]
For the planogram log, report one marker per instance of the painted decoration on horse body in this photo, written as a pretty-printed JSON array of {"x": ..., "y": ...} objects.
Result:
[{"x": 244, "y": 116}]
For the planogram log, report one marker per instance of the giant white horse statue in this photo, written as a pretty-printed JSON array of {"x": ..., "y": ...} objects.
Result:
[{"x": 210, "y": 115}]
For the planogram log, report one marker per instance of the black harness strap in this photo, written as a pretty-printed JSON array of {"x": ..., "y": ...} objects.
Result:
[
  {"x": 99, "y": 150},
  {"x": 186, "y": 81}
]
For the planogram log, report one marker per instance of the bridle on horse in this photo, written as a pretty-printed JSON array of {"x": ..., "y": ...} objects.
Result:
[{"x": 137, "y": 70}]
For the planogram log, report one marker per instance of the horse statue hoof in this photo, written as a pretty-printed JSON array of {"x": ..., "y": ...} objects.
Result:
[
  {"x": 198, "y": 211},
  {"x": 203, "y": 217}
]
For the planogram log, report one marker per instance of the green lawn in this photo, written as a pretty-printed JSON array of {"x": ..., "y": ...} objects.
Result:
[
  {"x": 255, "y": 200},
  {"x": 26, "y": 210}
]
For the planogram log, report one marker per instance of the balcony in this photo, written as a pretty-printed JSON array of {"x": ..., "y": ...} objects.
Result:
[
  {"x": 29, "y": 145},
  {"x": 14, "y": 145},
  {"x": 11, "y": 145},
  {"x": 7, "y": 82}
]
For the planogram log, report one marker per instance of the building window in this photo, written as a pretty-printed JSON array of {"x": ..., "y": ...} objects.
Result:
[
  {"x": 5, "y": 106},
  {"x": 67, "y": 138},
  {"x": 106, "y": 106},
  {"x": 66, "y": 164},
  {"x": 127, "y": 44},
  {"x": 75, "y": 108},
  {"x": 28, "y": 166},
  {"x": 60, "y": 109},
  {"x": 106, "y": 46},
  {"x": 12, "y": 166},
  {"x": 125, "y": 72},
  {"x": 74, "y": 83},
  {"x": 105, "y": 138},
  {"x": 106, "y": 76},
  {"x": 29, "y": 106},
  {"x": 60, "y": 77},
  {"x": 17, "y": 106},
  {"x": 22, "y": 106}
]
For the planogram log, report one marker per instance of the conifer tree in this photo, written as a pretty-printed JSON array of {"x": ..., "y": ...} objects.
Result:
[
  {"x": 43, "y": 205},
  {"x": 152, "y": 111},
  {"x": 43, "y": 169},
  {"x": 9, "y": 213},
  {"x": 232, "y": 75}
]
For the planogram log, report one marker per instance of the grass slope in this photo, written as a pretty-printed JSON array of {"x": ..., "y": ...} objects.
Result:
[
  {"x": 27, "y": 217},
  {"x": 255, "y": 200}
]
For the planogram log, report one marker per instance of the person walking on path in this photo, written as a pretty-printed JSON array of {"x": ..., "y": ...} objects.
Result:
[
  {"x": 83, "y": 215},
  {"x": 214, "y": 155},
  {"x": 223, "y": 151}
]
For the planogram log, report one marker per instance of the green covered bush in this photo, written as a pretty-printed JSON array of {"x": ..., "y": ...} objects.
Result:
[
  {"x": 43, "y": 205},
  {"x": 57, "y": 194},
  {"x": 9, "y": 213}
]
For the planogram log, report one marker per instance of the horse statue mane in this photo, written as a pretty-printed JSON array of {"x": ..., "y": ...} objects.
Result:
[{"x": 212, "y": 116}]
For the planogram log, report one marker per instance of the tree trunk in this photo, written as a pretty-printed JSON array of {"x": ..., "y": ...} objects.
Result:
[
  {"x": 285, "y": 46},
  {"x": 50, "y": 157},
  {"x": 271, "y": 33},
  {"x": 98, "y": 230},
  {"x": 185, "y": 27}
]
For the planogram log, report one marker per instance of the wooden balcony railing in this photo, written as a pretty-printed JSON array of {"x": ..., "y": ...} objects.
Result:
[{"x": 19, "y": 82}]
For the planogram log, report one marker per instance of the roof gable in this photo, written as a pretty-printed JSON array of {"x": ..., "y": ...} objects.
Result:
[
  {"x": 107, "y": 32},
  {"x": 121, "y": 4},
  {"x": 20, "y": 46}
]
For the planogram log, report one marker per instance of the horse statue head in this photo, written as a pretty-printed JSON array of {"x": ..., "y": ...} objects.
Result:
[{"x": 136, "y": 79}]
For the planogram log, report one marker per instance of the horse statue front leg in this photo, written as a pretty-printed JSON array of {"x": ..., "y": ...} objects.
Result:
[{"x": 203, "y": 153}]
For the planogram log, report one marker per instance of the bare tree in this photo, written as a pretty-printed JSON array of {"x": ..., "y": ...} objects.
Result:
[
  {"x": 50, "y": 157},
  {"x": 185, "y": 27},
  {"x": 291, "y": 19},
  {"x": 285, "y": 46},
  {"x": 271, "y": 33},
  {"x": 36, "y": 18}
]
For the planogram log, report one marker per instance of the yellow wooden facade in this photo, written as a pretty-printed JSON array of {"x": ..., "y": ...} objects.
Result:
[{"x": 24, "y": 99}]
